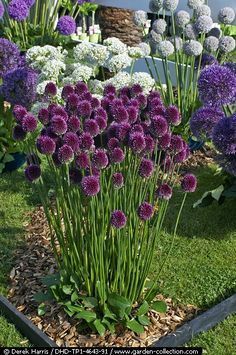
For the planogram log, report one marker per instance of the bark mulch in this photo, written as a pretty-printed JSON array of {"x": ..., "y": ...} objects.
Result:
[{"x": 35, "y": 260}]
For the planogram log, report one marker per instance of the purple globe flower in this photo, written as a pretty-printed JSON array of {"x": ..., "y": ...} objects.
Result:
[
  {"x": 142, "y": 100},
  {"x": 228, "y": 163},
  {"x": 167, "y": 165},
  {"x": 84, "y": 109},
  {"x": 117, "y": 155},
  {"x": 82, "y": 160},
  {"x": 172, "y": 115},
  {"x": 146, "y": 168},
  {"x": 204, "y": 120},
  {"x": 43, "y": 116},
  {"x": 18, "y": 10},
  {"x": 100, "y": 159},
  {"x": 102, "y": 123},
  {"x": 86, "y": 141},
  {"x": 132, "y": 114},
  {"x": 65, "y": 154},
  {"x": 51, "y": 89},
  {"x": 29, "y": 123},
  {"x": 73, "y": 101},
  {"x": 95, "y": 103},
  {"x": 46, "y": 145},
  {"x": 19, "y": 86},
  {"x": 180, "y": 157},
  {"x": 120, "y": 114},
  {"x": 113, "y": 143},
  {"x": 206, "y": 60},
  {"x": 32, "y": 172},
  {"x": 29, "y": 3},
  {"x": 118, "y": 219},
  {"x": 66, "y": 25},
  {"x": 9, "y": 56},
  {"x": 109, "y": 89},
  {"x": 59, "y": 125},
  {"x": 176, "y": 144},
  {"x": 71, "y": 139},
  {"x": 125, "y": 91},
  {"x": 135, "y": 90},
  {"x": 137, "y": 142},
  {"x": 159, "y": 126},
  {"x": 75, "y": 176},
  {"x": 58, "y": 111},
  {"x": 164, "y": 192},
  {"x": 224, "y": 135},
  {"x": 81, "y": 88},
  {"x": 67, "y": 91},
  {"x": 19, "y": 112},
  {"x": 145, "y": 211},
  {"x": 118, "y": 180},
  {"x": 164, "y": 141},
  {"x": 149, "y": 144},
  {"x": 91, "y": 126},
  {"x": 73, "y": 124},
  {"x": 100, "y": 112},
  {"x": 217, "y": 85},
  {"x": 122, "y": 131},
  {"x": 90, "y": 185},
  {"x": 137, "y": 128},
  {"x": 189, "y": 183},
  {"x": 18, "y": 133}
]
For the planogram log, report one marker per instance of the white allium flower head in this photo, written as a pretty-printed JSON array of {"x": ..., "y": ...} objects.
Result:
[
  {"x": 170, "y": 5},
  {"x": 227, "y": 44},
  {"x": 144, "y": 80},
  {"x": 182, "y": 18},
  {"x": 82, "y": 50},
  {"x": 192, "y": 48},
  {"x": 159, "y": 26},
  {"x": 115, "y": 45},
  {"x": 165, "y": 48},
  {"x": 177, "y": 42},
  {"x": 215, "y": 32},
  {"x": 211, "y": 44},
  {"x": 140, "y": 18},
  {"x": 203, "y": 24},
  {"x": 145, "y": 47},
  {"x": 226, "y": 15},
  {"x": 135, "y": 52},
  {"x": 193, "y": 4},
  {"x": 203, "y": 10},
  {"x": 155, "y": 37},
  {"x": 118, "y": 62},
  {"x": 80, "y": 73},
  {"x": 190, "y": 31},
  {"x": 155, "y": 5},
  {"x": 120, "y": 80}
]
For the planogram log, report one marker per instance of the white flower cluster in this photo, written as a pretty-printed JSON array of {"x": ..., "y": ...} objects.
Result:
[
  {"x": 90, "y": 54},
  {"x": 38, "y": 56},
  {"x": 80, "y": 73},
  {"x": 144, "y": 80},
  {"x": 114, "y": 45},
  {"x": 118, "y": 62}
]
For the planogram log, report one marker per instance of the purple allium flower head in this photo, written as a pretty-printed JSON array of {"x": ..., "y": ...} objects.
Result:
[
  {"x": 82, "y": 160},
  {"x": 59, "y": 125},
  {"x": 231, "y": 66},
  {"x": 91, "y": 126},
  {"x": 164, "y": 141},
  {"x": 19, "y": 86},
  {"x": 86, "y": 96},
  {"x": 84, "y": 109},
  {"x": 176, "y": 144},
  {"x": 18, "y": 133},
  {"x": 146, "y": 168},
  {"x": 73, "y": 124},
  {"x": 101, "y": 112},
  {"x": 32, "y": 172},
  {"x": 81, "y": 88},
  {"x": 105, "y": 103},
  {"x": 113, "y": 143},
  {"x": 66, "y": 25},
  {"x": 66, "y": 91},
  {"x": 9, "y": 56},
  {"x": 109, "y": 89},
  {"x": 189, "y": 183},
  {"x": 164, "y": 191},
  {"x": 59, "y": 111},
  {"x": 73, "y": 101},
  {"x": 142, "y": 100},
  {"x": 204, "y": 120},
  {"x": 117, "y": 155},
  {"x": 118, "y": 180},
  {"x": 155, "y": 102},
  {"x": 43, "y": 116},
  {"x": 125, "y": 91},
  {"x": 217, "y": 85},
  {"x": 137, "y": 142},
  {"x": 134, "y": 102},
  {"x": 172, "y": 115},
  {"x": 71, "y": 139},
  {"x": 65, "y": 154},
  {"x": 159, "y": 126},
  {"x": 192, "y": 48},
  {"x": 100, "y": 159},
  {"x": 51, "y": 89},
  {"x": 118, "y": 219},
  {"x": 132, "y": 114},
  {"x": 29, "y": 123},
  {"x": 167, "y": 164},
  {"x": 46, "y": 145},
  {"x": 180, "y": 157},
  {"x": 75, "y": 176},
  {"x": 158, "y": 110},
  {"x": 145, "y": 211},
  {"x": 120, "y": 114},
  {"x": 86, "y": 141},
  {"x": 226, "y": 15},
  {"x": 56, "y": 160},
  {"x": 102, "y": 123},
  {"x": 153, "y": 95},
  {"x": 135, "y": 90},
  {"x": 18, "y": 10},
  {"x": 137, "y": 128},
  {"x": 149, "y": 144},
  {"x": 224, "y": 135},
  {"x": 29, "y": 3},
  {"x": 90, "y": 185},
  {"x": 122, "y": 131},
  {"x": 19, "y": 112},
  {"x": 2, "y": 10},
  {"x": 95, "y": 103}
]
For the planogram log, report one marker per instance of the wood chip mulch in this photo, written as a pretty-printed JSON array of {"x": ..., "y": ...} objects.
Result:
[
  {"x": 36, "y": 260},
  {"x": 203, "y": 157}
]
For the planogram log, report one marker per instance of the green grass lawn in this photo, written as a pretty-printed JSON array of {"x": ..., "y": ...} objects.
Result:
[{"x": 200, "y": 271}]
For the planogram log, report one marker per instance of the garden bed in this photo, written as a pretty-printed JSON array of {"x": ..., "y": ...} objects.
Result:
[{"x": 36, "y": 260}]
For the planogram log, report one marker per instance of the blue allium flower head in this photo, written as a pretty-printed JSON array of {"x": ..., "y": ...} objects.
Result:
[
  {"x": 164, "y": 192},
  {"x": 2, "y": 10},
  {"x": 100, "y": 159},
  {"x": 65, "y": 154},
  {"x": 159, "y": 26},
  {"x": 29, "y": 3},
  {"x": 192, "y": 48},
  {"x": 18, "y": 10},
  {"x": 182, "y": 18},
  {"x": 224, "y": 135},
  {"x": 118, "y": 180},
  {"x": 9, "y": 56},
  {"x": 189, "y": 183},
  {"x": 226, "y": 15},
  {"x": 145, "y": 211},
  {"x": 190, "y": 31},
  {"x": 66, "y": 25},
  {"x": 29, "y": 123},
  {"x": 90, "y": 185},
  {"x": 32, "y": 172},
  {"x": 217, "y": 85},
  {"x": 204, "y": 120},
  {"x": 82, "y": 160},
  {"x": 215, "y": 32},
  {"x": 211, "y": 44},
  {"x": 146, "y": 168},
  {"x": 228, "y": 163},
  {"x": 203, "y": 24},
  {"x": 18, "y": 133},
  {"x": 206, "y": 60},
  {"x": 19, "y": 86},
  {"x": 227, "y": 44},
  {"x": 231, "y": 66},
  {"x": 118, "y": 219},
  {"x": 170, "y": 5}
]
